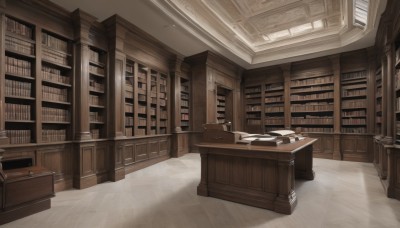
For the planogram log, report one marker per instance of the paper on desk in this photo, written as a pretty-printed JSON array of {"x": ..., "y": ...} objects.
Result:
[{"x": 267, "y": 139}]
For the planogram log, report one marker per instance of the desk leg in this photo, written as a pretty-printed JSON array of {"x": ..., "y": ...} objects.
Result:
[
  {"x": 202, "y": 188},
  {"x": 304, "y": 163},
  {"x": 286, "y": 200}
]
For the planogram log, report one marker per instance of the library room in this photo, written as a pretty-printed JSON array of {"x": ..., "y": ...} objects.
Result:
[{"x": 176, "y": 113}]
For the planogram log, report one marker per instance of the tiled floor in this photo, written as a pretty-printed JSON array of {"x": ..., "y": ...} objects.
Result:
[{"x": 343, "y": 194}]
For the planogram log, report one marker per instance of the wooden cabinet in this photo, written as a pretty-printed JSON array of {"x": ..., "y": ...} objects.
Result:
[{"x": 25, "y": 191}]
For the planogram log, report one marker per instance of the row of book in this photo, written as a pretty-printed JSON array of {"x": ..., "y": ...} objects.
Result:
[
  {"x": 50, "y": 135},
  {"x": 312, "y": 120},
  {"x": 270, "y": 109},
  {"x": 378, "y": 107},
  {"x": 274, "y": 121},
  {"x": 96, "y": 100},
  {"x": 95, "y": 117},
  {"x": 317, "y": 129},
  {"x": 397, "y": 81},
  {"x": 220, "y": 103},
  {"x": 18, "y": 28},
  {"x": 54, "y": 94},
  {"x": 358, "y": 130},
  {"x": 128, "y": 131},
  {"x": 354, "y": 121},
  {"x": 185, "y": 96},
  {"x": 184, "y": 117},
  {"x": 141, "y": 131},
  {"x": 354, "y": 75},
  {"x": 220, "y": 109},
  {"x": 253, "y": 108},
  {"x": 220, "y": 115},
  {"x": 253, "y": 90},
  {"x": 312, "y": 89},
  {"x": 55, "y": 56},
  {"x": 379, "y": 92},
  {"x": 142, "y": 90},
  {"x": 95, "y": 132},
  {"x": 54, "y": 42},
  {"x": 163, "y": 124},
  {"x": 19, "y": 45},
  {"x": 184, "y": 110},
  {"x": 94, "y": 56},
  {"x": 18, "y": 88},
  {"x": 18, "y": 66},
  {"x": 142, "y": 109},
  {"x": 142, "y": 97},
  {"x": 164, "y": 114},
  {"x": 185, "y": 88},
  {"x": 359, "y": 103},
  {"x": 311, "y": 81},
  {"x": 129, "y": 68},
  {"x": 355, "y": 92},
  {"x": 275, "y": 86},
  {"x": 354, "y": 113},
  {"x": 129, "y": 83},
  {"x": 378, "y": 119},
  {"x": 253, "y": 95},
  {"x": 53, "y": 74},
  {"x": 129, "y": 121},
  {"x": 398, "y": 126},
  {"x": 153, "y": 123},
  {"x": 142, "y": 79},
  {"x": 94, "y": 85},
  {"x": 312, "y": 107},
  {"x": 185, "y": 124},
  {"x": 129, "y": 108},
  {"x": 129, "y": 94},
  {"x": 162, "y": 103},
  {"x": 142, "y": 122},
  {"x": 327, "y": 95},
  {"x": 55, "y": 114},
  {"x": 163, "y": 81},
  {"x": 17, "y": 112},
  {"x": 274, "y": 94},
  {"x": 96, "y": 70},
  {"x": 221, "y": 98},
  {"x": 397, "y": 104},
  {"x": 19, "y": 136},
  {"x": 273, "y": 99}
]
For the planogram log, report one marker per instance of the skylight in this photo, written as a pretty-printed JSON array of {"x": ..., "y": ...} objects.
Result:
[
  {"x": 294, "y": 31},
  {"x": 361, "y": 12}
]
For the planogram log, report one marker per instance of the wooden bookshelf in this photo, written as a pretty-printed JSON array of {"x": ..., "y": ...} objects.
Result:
[
  {"x": 354, "y": 102},
  {"x": 146, "y": 101},
  {"x": 378, "y": 101},
  {"x": 97, "y": 92},
  {"x": 20, "y": 81},
  {"x": 311, "y": 102},
  {"x": 253, "y": 105},
  {"x": 185, "y": 104},
  {"x": 221, "y": 105},
  {"x": 274, "y": 118},
  {"x": 397, "y": 93},
  {"x": 56, "y": 87}
]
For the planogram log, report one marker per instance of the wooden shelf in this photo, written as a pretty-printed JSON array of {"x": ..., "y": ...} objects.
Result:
[
  {"x": 16, "y": 76},
  {"x": 56, "y": 83},
  {"x": 55, "y": 122},
  {"x": 96, "y": 74},
  {"x": 57, "y": 102},
  {"x": 14, "y": 53},
  {"x": 99, "y": 64},
  {"x": 55, "y": 64},
  {"x": 20, "y": 121},
  {"x": 20, "y": 98}
]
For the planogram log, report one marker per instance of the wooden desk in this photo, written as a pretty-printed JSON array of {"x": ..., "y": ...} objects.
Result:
[{"x": 261, "y": 176}]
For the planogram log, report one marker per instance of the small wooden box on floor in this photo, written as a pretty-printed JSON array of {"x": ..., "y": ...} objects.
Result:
[{"x": 25, "y": 191}]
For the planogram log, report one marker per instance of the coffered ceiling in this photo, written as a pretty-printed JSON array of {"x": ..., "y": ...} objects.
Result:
[{"x": 252, "y": 33}]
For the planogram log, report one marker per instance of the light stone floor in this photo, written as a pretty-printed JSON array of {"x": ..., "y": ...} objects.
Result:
[{"x": 344, "y": 194}]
